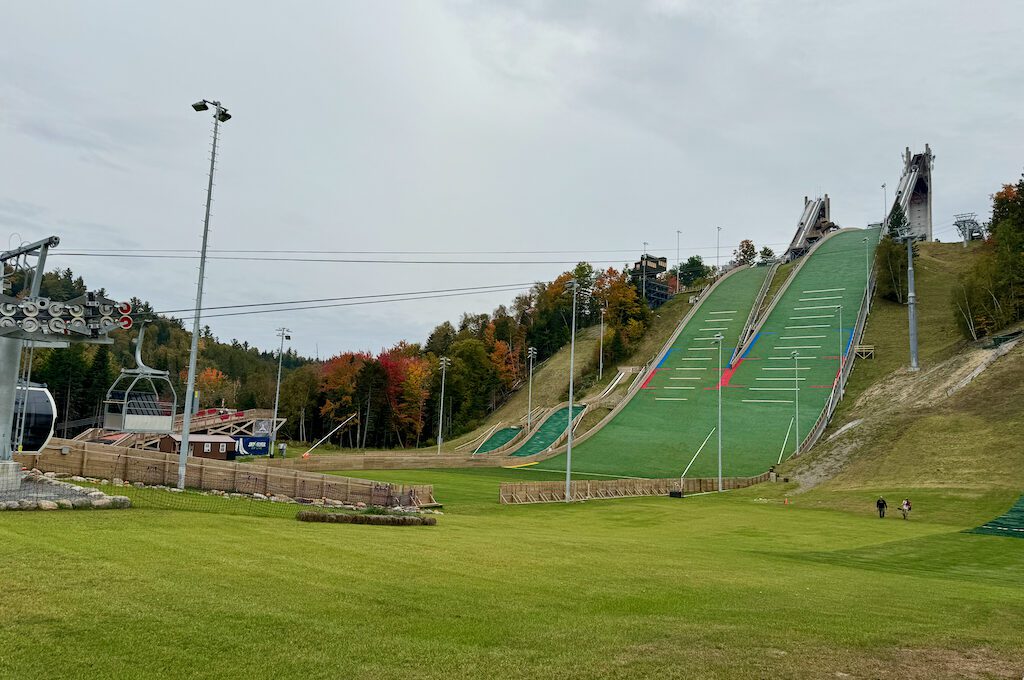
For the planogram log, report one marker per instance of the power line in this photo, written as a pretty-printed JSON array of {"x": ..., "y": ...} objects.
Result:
[{"x": 481, "y": 289}]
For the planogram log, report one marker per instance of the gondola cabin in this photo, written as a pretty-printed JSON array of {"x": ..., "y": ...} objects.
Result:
[{"x": 34, "y": 417}]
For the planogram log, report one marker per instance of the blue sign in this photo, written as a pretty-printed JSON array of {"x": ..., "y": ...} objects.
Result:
[{"x": 253, "y": 446}]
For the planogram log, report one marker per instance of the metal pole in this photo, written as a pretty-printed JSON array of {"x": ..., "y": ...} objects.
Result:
[
  {"x": 718, "y": 253},
  {"x": 720, "y": 339},
  {"x": 911, "y": 304},
  {"x": 885, "y": 207},
  {"x": 678, "y": 264},
  {"x": 440, "y": 411},
  {"x": 572, "y": 366},
  {"x": 600, "y": 354},
  {"x": 283, "y": 332},
  {"x": 643, "y": 269},
  {"x": 186, "y": 419},
  {"x": 796, "y": 397},
  {"x": 842, "y": 353},
  {"x": 531, "y": 354}
]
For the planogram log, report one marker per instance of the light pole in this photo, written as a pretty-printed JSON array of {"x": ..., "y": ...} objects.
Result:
[
  {"x": 573, "y": 285},
  {"x": 867, "y": 262},
  {"x": 643, "y": 269},
  {"x": 911, "y": 302},
  {"x": 444, "y": 363},
  {"x": 842, "y": 352},
  {"x": 719, "y": 338},
  {"x": 718, "y": 251},
  {"x": 283, "y": 333},
  {"x": 885, "y": 207},
  {"x": 796, "y": 399},
  {"x": 220, "y": 115},
  {"x": 678, "y": 264},
  {"x": 600, "y": 351},
  {"x": 531, "y": 356}
]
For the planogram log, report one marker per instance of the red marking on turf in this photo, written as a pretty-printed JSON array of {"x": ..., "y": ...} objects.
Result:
[
  {"x": 727, "y": 375},
  {"x": 648, "y": 381}
]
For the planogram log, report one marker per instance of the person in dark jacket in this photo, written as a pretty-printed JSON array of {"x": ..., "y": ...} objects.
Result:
[{"x": 881, "y": 505}]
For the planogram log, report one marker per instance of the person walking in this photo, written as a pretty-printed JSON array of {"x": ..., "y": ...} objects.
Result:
[
  {"x": 905, "y": 507},
  {"x": 881, "y": 505}
]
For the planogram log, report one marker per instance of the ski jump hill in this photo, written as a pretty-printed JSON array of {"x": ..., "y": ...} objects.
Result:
[{"x": 670, "y": 423}]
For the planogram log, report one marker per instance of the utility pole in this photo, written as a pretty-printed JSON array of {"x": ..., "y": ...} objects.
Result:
[
  {"x": 796, "y": 401},
  {"x": 574, "y": 286},
  {"x": 600, "y": 351},
  {"x": 283, "y": 334},
  {"x": 220, "y": 115},
  {"x": 719, "y": 339},
  {"x": 531, "y": 356},
  {"x": 444, "y": 363}
]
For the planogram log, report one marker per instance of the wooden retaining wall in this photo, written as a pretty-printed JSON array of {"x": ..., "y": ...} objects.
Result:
[
  {"x": 154, "y": 467},
  {"x": 583, "y": 490}
]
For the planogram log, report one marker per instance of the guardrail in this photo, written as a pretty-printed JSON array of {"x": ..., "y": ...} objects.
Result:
[{"x": 748, "y": 326}]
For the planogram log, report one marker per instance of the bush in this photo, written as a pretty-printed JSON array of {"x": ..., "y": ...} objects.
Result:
[{"x": 376, "y": 520}]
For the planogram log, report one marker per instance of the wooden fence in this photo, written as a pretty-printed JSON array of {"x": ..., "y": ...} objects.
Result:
[
  {"x": 154, "y": 468},
  {"x": 584, "y": 490}
]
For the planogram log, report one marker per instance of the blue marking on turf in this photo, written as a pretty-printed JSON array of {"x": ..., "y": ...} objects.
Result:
[
  {"x": 849, "y": 342},
  {"x": 752, "y": 343},
  {"x": 665, "y": 358}
]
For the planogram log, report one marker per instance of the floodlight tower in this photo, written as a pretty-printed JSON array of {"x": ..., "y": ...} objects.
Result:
[
  {"x": 444, "y": 363},
  {"x": 719, "y": 339},
  {"x": 220, "y": 115},
  {"x": 282, "y": 333},
  {"x": 574, "y": 286}
]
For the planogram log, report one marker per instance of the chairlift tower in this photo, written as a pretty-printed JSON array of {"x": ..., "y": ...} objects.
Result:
[
  {"x": 968, "y": 226},
  {"x": 42, "y": 323}
]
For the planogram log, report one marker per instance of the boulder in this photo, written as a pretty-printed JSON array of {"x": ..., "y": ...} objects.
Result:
[
  {"x": 96, "y": 494},
  {"x": 120, "y": 502},
  {"x": 64, "y": 504},
  {"x": 259, "y": 497},
  {"x": 102, "y": 503},
  {"x": 139, "y": 485},
  {"x": 47, "y": 505},
  {"x": 117, "y": 481},
  {"x": 26, "y": 504},
  {"x": 77, "y": 478},
  {"x": 51, "y": 475},
  {"x": 81, "y": 503},
  {"x": 11, "y": 505}
]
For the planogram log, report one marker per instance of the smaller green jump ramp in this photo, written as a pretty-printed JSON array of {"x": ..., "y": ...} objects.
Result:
[
  {"x": 549, "y": 431},
  {"x": 498, "y": 439},
  {"x": 1010, "y": 524}
]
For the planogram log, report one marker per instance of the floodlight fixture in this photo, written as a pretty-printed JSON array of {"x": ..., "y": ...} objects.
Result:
[{"x": 200, "y": 105}]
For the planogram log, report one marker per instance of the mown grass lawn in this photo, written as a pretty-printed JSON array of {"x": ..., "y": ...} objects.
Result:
[{"x": 715, "y": 586}]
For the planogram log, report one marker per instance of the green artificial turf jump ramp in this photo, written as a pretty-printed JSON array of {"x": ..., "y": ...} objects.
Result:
[{"x": 670, "y": 423}]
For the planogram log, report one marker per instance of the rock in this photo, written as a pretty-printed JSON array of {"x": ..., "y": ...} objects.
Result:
[
  {"x": 120, "y": 502},
  {"x": 62, "y": 475},
  {"x": 77, "y": 478},
  {"x": 36, "y": 471},
  {"x": 96, "y": 494},
  {"x": 25, "y": 504},
  {"x": 65, "y": 504},
  {"x": 51, "y": 475},
  {"x": 282, "y": 499},
  {"x": 105, "y": 481},
  {"x": 47, "y": 505},
  {"x": 139, "y": 485},
  {"x": 102, "y": 503},
  {"x": 11, "y": 505},
  {"x": 360, "y": 505},
  {"x": 259, "y": 497},
  {"x": 118, "y": 481},
  {"x": 174, "y": 489},
  {"x": 80, "y": 503}
]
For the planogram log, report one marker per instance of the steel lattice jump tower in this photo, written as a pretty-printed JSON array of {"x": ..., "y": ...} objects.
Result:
[{"x": 914, "y": 193}]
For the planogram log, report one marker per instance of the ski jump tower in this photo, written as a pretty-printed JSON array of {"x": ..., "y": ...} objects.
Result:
[
  {"x": 914, "y": 193},
  {"x": 815, "y": 222}
]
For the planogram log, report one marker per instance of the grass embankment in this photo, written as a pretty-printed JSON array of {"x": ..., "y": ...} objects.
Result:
[{"x": 716, "y": 586}]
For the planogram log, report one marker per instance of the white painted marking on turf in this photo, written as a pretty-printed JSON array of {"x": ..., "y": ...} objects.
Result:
[
  {"x": 670, "y": 399},
  {"x": 804, "y": 309},
  {"x": 773, "y": 389},
  {"x": 767, "y": 401},
  {"x": 712, "y": 338},
  {"x": 673, "y": 387},
  {"x": 717, "y": 320},
  {"x": 802, "y": 358},
  {"x": 770, "y": 368},
  {"x": 713, "y": 329},
  {"x": 725, "y": 311},
  {"x": 780, "y": 378},
  {"x": 701, "y": 349},
  {"x": 800, "y": 337},
  {"x": 780, "y": 347},
  {"x": 685, "y": 377},
  {"x": 815, "y": 316},
  {"x": 697, "y": 454},
  {"x": 695, "y": 358},
  {"x": 786, "y": 440},
  {"x": 702, "y": 368},
  {"x": 819, "y": 299},
  {"x": 820, "y": 325},
  {"x": 825, "y": 290}
]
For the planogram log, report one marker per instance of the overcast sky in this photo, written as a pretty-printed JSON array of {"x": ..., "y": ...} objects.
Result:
[{"x": 478, "y": 126}]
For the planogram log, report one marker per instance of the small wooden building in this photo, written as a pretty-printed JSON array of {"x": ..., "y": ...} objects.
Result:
[{"x": 216, "y": 446}]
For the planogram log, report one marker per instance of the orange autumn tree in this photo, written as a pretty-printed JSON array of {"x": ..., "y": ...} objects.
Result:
[{"x": 338, "y": 384}]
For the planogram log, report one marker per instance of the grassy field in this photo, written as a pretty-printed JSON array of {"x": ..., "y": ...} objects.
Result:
[{"x": 727, "y": 586}]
